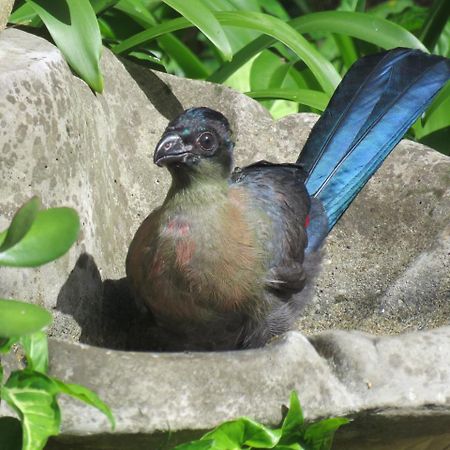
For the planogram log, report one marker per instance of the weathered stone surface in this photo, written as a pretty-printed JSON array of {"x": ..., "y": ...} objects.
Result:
[
  {"x": 382, "y": 383},
  {"x": 386, "y": 267},
  {"x": 5, "y": 11}
]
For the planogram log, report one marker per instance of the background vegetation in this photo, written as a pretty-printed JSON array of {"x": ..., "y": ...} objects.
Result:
[{"x": 288, "y": 54}]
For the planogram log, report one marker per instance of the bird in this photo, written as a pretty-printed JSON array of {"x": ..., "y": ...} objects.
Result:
[{"x": 226, "y": 261}]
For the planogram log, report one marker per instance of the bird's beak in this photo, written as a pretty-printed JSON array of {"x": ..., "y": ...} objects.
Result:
[{"x": 171, "y": 149}]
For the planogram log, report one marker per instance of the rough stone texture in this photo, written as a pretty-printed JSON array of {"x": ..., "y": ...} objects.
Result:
[
  {"x": 5, "y": 11},
  {"x": 386, "y": 268},
  {"x": 396, "y": 385}
]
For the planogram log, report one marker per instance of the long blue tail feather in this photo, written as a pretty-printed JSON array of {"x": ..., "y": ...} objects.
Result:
[{"x": 377, "y": 101}]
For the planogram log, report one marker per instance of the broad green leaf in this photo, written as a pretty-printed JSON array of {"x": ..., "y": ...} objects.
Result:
[
  {"x": 322, "y": 69},
  {"x": 314, "y": 99},
  {"x": 320, "y": 435},
  {"x": 85, "y": 395},
  {"x": 32, "y": 395},
  {"x": 237, "y": 433},
  {"x": 20, "y": 223},
  {"x": 10, "y": 434},
  {"x": 200, "y": 16},
  {"x": 74, "y": 28},
  {"x": 51, "y": 235},
  {"x": 197, "y": 445},
  {"x": 263, "y": 68},
  {"x": 366, "y": 27},
  {"x": 35, "y": 346},
  {"x": 20, "y": 318}
]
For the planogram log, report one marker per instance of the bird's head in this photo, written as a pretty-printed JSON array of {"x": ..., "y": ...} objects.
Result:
[{"x": 196, "y": 144}]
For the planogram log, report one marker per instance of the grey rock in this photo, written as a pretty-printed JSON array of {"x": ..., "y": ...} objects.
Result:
[
  {"x": 386, "y": 268},
  {"x": 396, "y": 401}
]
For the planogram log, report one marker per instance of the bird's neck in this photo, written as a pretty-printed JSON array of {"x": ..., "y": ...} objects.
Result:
[{"x": 199, "y": 190}]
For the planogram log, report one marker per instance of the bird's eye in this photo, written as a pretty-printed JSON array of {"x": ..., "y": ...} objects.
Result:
[{"x": 207, "y": 140}]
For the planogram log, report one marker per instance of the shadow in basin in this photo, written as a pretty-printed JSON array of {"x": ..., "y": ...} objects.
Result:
[{"x": 105, "y": 311}]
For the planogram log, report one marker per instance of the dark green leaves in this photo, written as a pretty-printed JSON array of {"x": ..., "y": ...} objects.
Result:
[
  {"x": 245, "y": 433},
  {"x": 37, "y": 237},
  {"x": 74, "y": 28},
  {"x": 19, "y": 318}
]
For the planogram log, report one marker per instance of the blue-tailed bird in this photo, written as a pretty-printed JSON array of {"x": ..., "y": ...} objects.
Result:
[{"x": 222, "y": 263}]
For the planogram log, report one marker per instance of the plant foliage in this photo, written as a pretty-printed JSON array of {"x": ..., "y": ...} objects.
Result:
[
  {"x": 34, "y": 237},
  {"x": 293, "y": 433},
  {"x": 285, "y": 54}
]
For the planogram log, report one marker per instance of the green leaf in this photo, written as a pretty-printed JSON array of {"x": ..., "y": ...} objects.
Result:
[
  {"x": 25, "y": 15},
  {"x": 197, "y": 445},
  {"x": 323, "y": 70},
  {"x": 237, "y": 433},
  {"x": 438, "y": 140},
  {"x": 442, "y": 101},
  {"x": 35, "y": 346},
  {"x": 6, "y": 343},
  {"x": 435, "y": 23},
  {"x": 294, "y": 418},
  {"x": 85, "y": 395},
  {"x": 51, "y": 235},
  {"x": 188, "y": 61},
  {"x": 347, "y": 49},
  {"x": 366, "y": 27},
  {"x": 32, "y": 396},
  {"x": 74, "y": 28},
  {"x": 314, "y": 99},
  {"x": 20, "y": 318},
  {"x": 275, "y": 8},
  {"x": 101, "y": 5},
  {"x": 20, "y": 223},
  {"x": 10, "y": 434},
  {"x": 200, "y": 16},
  {"x": 320, "y": 434}
]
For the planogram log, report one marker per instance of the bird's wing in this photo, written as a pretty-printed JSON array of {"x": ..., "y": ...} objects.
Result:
[{"x": 282, "y": 204}]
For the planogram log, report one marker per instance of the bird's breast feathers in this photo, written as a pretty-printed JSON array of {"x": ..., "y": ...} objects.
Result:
[{"x": 209, "y": 257}]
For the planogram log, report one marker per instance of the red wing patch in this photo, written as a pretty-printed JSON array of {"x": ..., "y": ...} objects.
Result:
[{"x": 306, "y": 221}]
